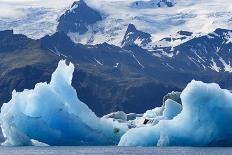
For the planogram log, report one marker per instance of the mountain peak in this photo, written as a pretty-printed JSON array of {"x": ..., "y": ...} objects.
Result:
[
  {"x": 78, "y": 18},
  {"x": 134, "y": 36},
  {"x": 78, "y": 4},
  {"x": 131, "y": 27}
]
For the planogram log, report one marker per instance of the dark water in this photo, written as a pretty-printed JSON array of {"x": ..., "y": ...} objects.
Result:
[{"x": 112, "y": 151}]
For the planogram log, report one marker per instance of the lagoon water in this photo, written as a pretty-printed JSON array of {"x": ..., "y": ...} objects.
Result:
[{"x": 112, "y": 151}]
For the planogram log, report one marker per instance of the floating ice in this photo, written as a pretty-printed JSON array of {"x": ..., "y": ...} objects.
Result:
[
  {"x": 171, "y": 109},
  {"x": 204, "y": 121},
  {"x": 52, "y": 114}
]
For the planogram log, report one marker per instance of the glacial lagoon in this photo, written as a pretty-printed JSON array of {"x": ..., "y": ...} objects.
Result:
[{"x": 114, "y": 151}]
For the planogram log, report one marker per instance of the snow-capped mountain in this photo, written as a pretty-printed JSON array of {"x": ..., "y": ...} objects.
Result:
[
  {"x": 78, "y": 18},
  {"x": 212, "y": 51},
  {"x": 164, "y": 25},
  {"x": 142, "y": 39},
  {"x": 160, "y": 22},
  {"x": 134, "y": 36}
]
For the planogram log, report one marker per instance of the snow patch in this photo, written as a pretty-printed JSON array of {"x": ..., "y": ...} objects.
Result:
[
  {"x": 227, "y": 67},
  {"x": 214, "y": 66},
  {"x": 116, "y": 65},
  {"x": 98, "y": 62},
  {"x": 138, "y": 61}
]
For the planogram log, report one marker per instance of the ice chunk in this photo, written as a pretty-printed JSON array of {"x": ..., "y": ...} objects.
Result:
[
  {"x": 120, "y": 116},
  {"x": 52, "y": 114},
  {"x": 171, "y": 109},
  {"x": 152, "y": 117},
  {"x": 154, "y": 112},
  {"x": 205, "y": 120}
]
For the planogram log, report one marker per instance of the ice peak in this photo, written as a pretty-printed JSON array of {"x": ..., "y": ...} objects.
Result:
[{"x": 63, "y": 73}]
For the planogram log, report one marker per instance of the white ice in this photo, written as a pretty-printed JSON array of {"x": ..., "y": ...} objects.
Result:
[{"x": 52, "y": 114}]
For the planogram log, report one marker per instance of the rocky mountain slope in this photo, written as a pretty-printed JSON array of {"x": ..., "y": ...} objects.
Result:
[{"x": 110, "y": 78}]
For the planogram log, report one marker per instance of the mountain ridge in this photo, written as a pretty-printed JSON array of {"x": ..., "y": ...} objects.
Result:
[{"x": 108, "y": 78}]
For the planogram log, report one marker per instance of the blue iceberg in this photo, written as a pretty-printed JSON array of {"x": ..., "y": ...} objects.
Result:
[
  {"x": 52, "y": 114},
  {"x": 205, "y": 120}
]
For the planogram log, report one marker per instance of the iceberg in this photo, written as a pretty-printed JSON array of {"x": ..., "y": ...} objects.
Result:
[
  {"x": 205, "y": 120},
  {"x": 52, "y": 114}
]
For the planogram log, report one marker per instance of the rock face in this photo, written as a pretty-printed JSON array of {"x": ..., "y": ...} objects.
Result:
[
  {"x": 78, "y": 18},
  {"x": 135, "y": 37}
]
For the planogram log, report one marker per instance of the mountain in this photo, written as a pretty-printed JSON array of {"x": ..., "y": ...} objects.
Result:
[
  {"x": 85, "y": 25},
  {"x": 134, "y": 36},
  {"x": 107, "y": 78},
  {"x": 23, "y": 63},
  {"x": 110, "y": 78},
  {"x": 209, "y": 52},
  {"x": 78, "y": 18},
  {"x": 113, "y": 18}
]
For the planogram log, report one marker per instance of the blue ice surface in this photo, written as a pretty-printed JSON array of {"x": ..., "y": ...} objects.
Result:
[
  {"x": 52, "y": 114},
  {"x": 204, "y": 121}
]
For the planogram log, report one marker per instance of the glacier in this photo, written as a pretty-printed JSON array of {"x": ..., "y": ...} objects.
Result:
[
  {"x": 205, "y": 120},
  {"x": 52, "y": 114}
]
